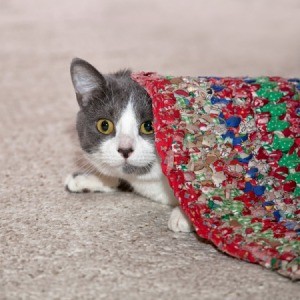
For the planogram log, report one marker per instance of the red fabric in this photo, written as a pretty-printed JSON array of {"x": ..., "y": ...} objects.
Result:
[{"x": 229, "y": 147}]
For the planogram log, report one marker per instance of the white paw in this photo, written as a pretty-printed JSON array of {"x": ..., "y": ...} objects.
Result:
[
  {"x": 85, "y": 183},
  {"x": 179, "y": 222}
]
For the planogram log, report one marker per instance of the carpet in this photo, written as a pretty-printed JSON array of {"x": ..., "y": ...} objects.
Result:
[{"x": 230, "y": 148}]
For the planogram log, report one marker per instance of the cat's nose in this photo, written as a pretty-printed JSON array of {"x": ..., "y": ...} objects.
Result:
[{"x": 126, "y": 152}]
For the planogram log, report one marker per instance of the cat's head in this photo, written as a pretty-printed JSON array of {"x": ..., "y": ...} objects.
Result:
[{"x": 114, "y": 123}]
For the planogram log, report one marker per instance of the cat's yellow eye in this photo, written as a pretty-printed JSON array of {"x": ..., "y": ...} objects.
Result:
[
  {"x": 147, "y": 127},
  {"x": 105, "y": 126}
]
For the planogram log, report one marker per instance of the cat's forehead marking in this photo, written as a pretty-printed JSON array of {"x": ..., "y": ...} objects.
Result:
[{"x": 127, "y": 123}]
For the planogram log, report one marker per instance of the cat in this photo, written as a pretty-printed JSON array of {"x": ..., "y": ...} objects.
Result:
[{"x": 115, "y": 131}]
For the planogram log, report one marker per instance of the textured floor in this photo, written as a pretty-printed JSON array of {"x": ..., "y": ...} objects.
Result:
[{"x": 55, "y": 245}]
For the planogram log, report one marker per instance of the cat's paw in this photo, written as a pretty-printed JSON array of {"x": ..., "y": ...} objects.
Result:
[
  {"x": 85, "y": 183},
  {"x": 179, "y": 222}
]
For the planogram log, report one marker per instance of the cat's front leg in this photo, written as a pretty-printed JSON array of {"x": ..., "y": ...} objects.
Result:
[
  {"x": 179, "y": 222},
  {"x": 156, "y": 190},
  {"x": 85, "y": 183}
]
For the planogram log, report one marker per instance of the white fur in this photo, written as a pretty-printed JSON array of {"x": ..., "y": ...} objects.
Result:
[
  {"x": 109, "y": 161},
  {"x": 178, "y": 221},
  {"x": 93, "y": 183}
]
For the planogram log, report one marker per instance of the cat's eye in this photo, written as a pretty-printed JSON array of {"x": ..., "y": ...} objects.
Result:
[
  {"x": 105, "y": 126},
  {"x": 147, "y": 127}
]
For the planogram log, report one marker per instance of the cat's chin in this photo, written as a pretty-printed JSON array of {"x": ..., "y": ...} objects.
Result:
[
  {"x": 136, "y": 170},
  {"x": 124, "y": 170}
]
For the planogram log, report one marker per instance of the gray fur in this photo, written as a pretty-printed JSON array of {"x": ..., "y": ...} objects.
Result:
[{"x": 129, "y": 169}]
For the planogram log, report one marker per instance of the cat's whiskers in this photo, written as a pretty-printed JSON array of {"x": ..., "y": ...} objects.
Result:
[
  {"x": 98, "y": 163},
  {"x": 85, "y": 165}
]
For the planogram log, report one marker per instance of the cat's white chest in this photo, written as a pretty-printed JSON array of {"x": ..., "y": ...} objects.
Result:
[{"x": 153, "y": 185}]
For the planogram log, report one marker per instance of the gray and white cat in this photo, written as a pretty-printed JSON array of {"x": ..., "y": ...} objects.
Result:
[{"x": 114, "y": 126}]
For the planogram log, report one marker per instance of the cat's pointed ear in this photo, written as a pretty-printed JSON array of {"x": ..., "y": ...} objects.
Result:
[{"x": 85, "y": 79}]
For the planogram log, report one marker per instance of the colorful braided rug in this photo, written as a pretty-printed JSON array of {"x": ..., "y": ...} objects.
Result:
[{"x": 230, "y": 148}]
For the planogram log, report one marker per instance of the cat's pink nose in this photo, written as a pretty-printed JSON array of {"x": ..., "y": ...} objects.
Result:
[{"x": 125, "y": 152}]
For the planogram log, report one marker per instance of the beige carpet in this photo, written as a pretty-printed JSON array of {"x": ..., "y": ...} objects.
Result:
[{"x": 55, "y": 245}]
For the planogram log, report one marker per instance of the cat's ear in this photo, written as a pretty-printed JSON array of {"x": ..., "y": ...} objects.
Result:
[{"x": 85, "y": 79}]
